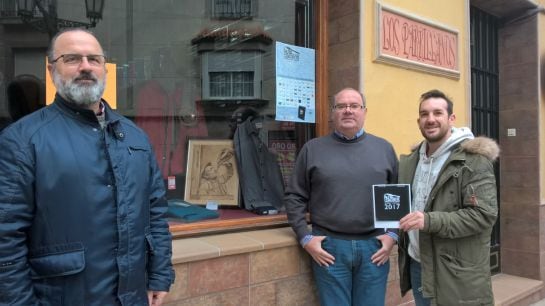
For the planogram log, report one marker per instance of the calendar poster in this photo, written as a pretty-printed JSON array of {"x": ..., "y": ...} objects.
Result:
[{"x": 295, "y": 83}]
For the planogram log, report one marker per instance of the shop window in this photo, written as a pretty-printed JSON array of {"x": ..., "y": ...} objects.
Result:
[
  {"x": 191, "y": 70},
  {"x": 232, "y": 9},
  {"x": 231, "y": 75}
]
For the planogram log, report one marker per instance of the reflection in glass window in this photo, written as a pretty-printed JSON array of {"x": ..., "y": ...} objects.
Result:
[
  {"x": 232, "y": 84},
  {"x": 232, "y": 74},
  {"x": 186, "y": 70},
  {"x": 232, "y": 9}
]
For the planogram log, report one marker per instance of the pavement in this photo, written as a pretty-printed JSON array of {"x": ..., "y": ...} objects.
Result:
[{"x": 540, "y": 303}]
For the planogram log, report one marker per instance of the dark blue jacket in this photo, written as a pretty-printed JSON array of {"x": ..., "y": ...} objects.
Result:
[{"x": 81, "y": 211}]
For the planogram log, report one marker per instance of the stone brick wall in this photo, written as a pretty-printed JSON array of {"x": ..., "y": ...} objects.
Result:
[
  {"x": 266, "y": 267},
  {"x": 278, "y": 276}
]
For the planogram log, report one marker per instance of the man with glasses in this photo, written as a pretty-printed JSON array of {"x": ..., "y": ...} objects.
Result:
[
  {"x": 332, "y": 181},
  {"x": 82, "y": 201}
]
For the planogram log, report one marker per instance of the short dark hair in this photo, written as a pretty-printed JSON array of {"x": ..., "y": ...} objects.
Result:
[
  {"x": 435, "y": 93},
  {"x": 51, "y": 48},
  {"x": 352, "y": 89}
]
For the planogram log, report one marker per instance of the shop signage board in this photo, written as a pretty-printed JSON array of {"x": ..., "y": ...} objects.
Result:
[{"x": 417, "y": 43}]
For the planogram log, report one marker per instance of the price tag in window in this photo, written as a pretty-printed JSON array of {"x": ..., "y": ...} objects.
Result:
[
  {"x": 212, "y": 205},
  {"x": 171, "y": 183}
]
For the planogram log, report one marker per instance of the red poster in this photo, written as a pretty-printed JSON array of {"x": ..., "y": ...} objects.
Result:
[{"x": 285, "y": 150}]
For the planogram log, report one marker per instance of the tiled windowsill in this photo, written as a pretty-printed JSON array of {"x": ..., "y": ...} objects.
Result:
[
  {"x": 230, "y": 220},
  {"x": 206, "y": 247}
]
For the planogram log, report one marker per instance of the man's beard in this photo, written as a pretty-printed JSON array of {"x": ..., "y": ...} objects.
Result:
[
  {"x": 80, "y": 94},
  {"x": 437, "y": 137}
]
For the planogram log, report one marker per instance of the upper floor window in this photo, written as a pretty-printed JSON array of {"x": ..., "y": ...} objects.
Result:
[
  {"x": 232, "y": 84},
  {"x": 232, "y": 9},
  {"x": 232, "y": 75}
]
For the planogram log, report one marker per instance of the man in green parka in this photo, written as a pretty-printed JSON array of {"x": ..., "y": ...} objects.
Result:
[{"x": 444, "y": 243}]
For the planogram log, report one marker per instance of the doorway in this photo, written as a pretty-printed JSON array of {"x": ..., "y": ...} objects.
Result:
[{"x": 485, "y": 98}]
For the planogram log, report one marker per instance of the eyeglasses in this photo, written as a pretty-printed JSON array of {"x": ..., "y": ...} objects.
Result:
[
  {"x": 353, "y": 107},
  {"x": 75, "y": 59}
]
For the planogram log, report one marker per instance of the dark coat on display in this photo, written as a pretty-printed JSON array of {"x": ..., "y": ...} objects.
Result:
[{"x": 260, "y": 177}]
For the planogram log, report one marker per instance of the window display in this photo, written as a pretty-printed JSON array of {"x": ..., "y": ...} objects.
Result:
[{"x": 187, "y": 71}]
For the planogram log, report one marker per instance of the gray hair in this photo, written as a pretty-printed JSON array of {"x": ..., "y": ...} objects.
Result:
[{"x": 51, "y": 48}]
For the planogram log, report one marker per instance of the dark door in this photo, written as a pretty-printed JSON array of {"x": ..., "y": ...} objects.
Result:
[{"x": 484, "y": 97}]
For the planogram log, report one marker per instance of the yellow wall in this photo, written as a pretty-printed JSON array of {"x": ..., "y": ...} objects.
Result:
[{"x": 392, "y": 92}]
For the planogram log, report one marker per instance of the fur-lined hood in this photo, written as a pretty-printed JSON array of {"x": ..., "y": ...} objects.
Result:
[
  {"x": 479, "y": 145},
  {"x": 482, "y": 145}
]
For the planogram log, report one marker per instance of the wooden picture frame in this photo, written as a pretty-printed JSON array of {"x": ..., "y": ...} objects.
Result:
[{"x": 211, "y": 172}]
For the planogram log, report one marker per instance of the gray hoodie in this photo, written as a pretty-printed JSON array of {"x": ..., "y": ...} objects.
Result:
[{"x": 425, "y": 176}]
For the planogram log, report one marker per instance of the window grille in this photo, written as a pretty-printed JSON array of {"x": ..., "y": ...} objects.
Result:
[{"x": 231, "y": 9}]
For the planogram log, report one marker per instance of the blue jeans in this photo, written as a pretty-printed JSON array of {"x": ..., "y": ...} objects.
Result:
[
  {"x": 353, "y": 279},
  {"x": 416, "y": 282}
]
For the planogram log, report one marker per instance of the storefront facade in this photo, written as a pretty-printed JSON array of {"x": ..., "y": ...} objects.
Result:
[{"x": 185, "y": 71}]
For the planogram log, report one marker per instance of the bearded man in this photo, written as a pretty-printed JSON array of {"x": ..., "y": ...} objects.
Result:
[
  {"x": 82, "y": 200},
  {"x": 444, "y": 243}
]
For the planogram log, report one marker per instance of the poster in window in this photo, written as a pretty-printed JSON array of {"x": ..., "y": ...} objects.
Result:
[
  {"x": 295, "y": 83},
  {"x": 282, "y": 143}
]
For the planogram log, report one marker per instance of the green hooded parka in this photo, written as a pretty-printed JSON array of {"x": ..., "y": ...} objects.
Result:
[{"x": 459, "y": 215}]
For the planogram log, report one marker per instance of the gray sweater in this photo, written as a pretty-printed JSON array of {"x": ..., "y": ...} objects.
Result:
[{"x": 333, "y": 181}]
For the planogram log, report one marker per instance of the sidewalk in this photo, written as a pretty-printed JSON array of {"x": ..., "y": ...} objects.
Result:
[
  {"x": 540, "y": 303},
  {"x": 515, "y": 290}
]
